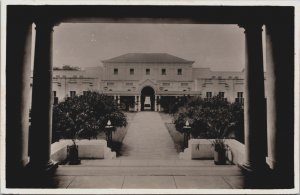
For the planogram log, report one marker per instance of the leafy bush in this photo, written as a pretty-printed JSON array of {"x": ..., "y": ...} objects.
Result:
[
  {"x": 127, "y": 102},
  {"x": 166, "y": 103},
  {"x": 211, "y": 118},
  {"x": 85, "y": 116},
  {"x": 171, "y": 104}
]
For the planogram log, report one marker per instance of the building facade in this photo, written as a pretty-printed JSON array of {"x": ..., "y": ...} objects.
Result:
[{"x": 144, "y": 79}]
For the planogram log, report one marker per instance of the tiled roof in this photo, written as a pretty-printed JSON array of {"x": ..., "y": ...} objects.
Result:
[{"x": 147, "y": 58}]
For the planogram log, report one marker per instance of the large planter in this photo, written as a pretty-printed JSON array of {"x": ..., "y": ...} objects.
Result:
[
  {"x": 220, "y": 156},
  {"x": 72, "y": 154}
]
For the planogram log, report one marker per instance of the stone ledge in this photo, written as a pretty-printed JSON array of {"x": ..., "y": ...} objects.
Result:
[
  {"x": 91, "y": 149},
  {"x": 201, "y": 149}
]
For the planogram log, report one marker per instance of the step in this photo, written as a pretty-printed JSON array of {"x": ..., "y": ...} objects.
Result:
[{"x": 220, "y": 170}]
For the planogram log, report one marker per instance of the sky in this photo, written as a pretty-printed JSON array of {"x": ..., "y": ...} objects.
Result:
[{"x": 219, "y": 47}]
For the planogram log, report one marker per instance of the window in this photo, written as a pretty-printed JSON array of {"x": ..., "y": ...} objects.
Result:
[
  {"x": 221, "y": 94},
  {"x": 208, "y": 94},
  {"x": 131, "y": 71},
  {"x": 179, "y": 71},
  {"x": 110, "y": 83},
  {"x": 147, "y": 71},
  {"x": 240, "y": 98},
  {"x": 163, "y": 71},
  {"x": 55, "y": 99},
  {"x": 240, "y": 94},
  {"x": 72, "y": 93},
  {"x": 84, "y": 92},
  {"x": 184, "y": 84},
  {"x": 166, "y": 84},
  {"x": 115, "y": 71}
]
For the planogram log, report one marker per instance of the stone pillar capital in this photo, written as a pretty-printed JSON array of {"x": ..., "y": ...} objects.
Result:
[
  {"x": 251, "y": 27},
  {"x": 44, "y": 26},
  {"x": 46, "y": 23}
]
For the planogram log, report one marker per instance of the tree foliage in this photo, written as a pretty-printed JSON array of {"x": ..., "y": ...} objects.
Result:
[
  {"x": 211, "y": 118},
  {"x": 127, "y": 102},
  {"x": 66, "y": 67},
  {"x": 85, "y": 116},
  {"x": 171, "y": 104}
]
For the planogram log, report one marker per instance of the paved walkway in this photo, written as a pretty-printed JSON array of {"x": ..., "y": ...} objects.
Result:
[
  {"x": 147, "y": 174},
  {"x": 151, "y": 174},
  {"x": 148, "y": 138}
]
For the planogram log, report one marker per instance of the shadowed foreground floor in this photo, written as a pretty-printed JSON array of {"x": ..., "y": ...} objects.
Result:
[{"x": 151, "y": 174}]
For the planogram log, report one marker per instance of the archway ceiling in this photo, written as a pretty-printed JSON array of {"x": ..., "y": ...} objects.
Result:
[
  {"x": 148, "y": 91},
  {"x": 151, "y": 14}
]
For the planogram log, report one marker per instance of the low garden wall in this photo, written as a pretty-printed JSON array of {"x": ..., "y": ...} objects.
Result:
[
  {"x": 89, "y": 149},
  {"x": 202, "y": 149}
]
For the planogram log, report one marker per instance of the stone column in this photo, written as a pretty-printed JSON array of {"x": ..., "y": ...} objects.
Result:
[
  {"x": 119, "y": 97},
  {"x": 42, "y": 99},
  {"x": 18, "y": 61},
  {"x": 155, "y": 103},
  {"x": 138, "y": 99},
  {"x": 158, "y": 106},
  {"x": 134, "y": 103},
  {"x": 254, "y": 110},
  {"x": 280, "y": 87},
  {"x": 271, "y": 103}
]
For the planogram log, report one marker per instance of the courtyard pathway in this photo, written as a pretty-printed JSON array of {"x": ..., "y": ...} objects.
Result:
[{"x": 148, "y": 138}]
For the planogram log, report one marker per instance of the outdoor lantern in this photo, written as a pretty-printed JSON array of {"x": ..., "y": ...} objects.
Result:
[
  {"x": 108, "y": 132},
  {"x": 108, "y": 123},
  {"x": 186, "y": 133},
  {"x": 187, "y": 123}
]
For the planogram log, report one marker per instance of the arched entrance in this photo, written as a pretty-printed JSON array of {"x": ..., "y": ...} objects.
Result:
[{"x": 147, "y": 98}]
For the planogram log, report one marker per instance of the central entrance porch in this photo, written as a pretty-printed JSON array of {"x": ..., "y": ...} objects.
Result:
[{"x": 148, "y": 99}]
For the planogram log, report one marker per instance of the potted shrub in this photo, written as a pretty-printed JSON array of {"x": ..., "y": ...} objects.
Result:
[
  {"x": 72, "y": 153},
  {"x": 219, "y": 151},
  {"x": 72, "y": 150}
]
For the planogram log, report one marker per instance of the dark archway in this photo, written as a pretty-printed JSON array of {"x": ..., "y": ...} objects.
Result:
[{"x": 146, "y": 94}]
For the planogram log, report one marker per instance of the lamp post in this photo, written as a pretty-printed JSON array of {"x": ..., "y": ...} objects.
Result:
[
  {"x": 108, "y": 133},
  {"x": 186, "y": 133}
]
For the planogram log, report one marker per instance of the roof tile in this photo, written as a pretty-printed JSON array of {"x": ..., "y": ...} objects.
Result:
[{"x": 147, "y": 58}]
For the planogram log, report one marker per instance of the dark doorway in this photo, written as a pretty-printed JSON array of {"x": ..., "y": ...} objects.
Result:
[{"x": 147, "y": 98}]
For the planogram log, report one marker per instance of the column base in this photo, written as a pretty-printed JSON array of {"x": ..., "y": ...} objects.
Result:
[
  {"x": 271, "y": 162},
  {"x": 248, "y": 168},
  {"x": 42, "y": 168},
  {"x": 34, "y": 175},
  {"x": 256, "y": 177}
]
